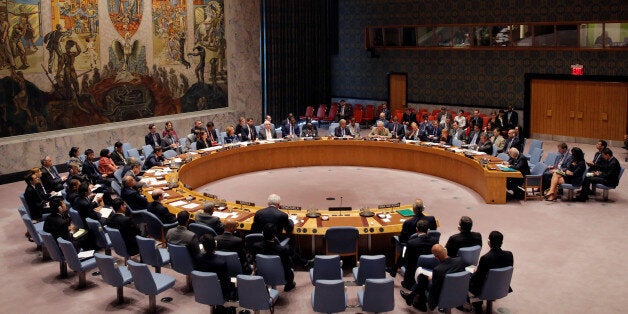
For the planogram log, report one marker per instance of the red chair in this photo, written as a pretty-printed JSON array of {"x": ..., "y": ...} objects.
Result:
[
  {"x": 431, "y": 118},
  {"x": 332, "y": 114},
  {"x": 309, "y": 113},
  {"x": 435, "y": 112},
  {"x": 369, "y": 114},
  {"x": 356, "y": 106},
  {"x": 399, "y": 115},
  {"x": 485, "y": 123},
  {"x": 320, "y": 114},
  {"x": 357, "y": 114}
]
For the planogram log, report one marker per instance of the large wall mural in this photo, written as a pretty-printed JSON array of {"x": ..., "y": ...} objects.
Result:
[{"x": 65, "y": 76}]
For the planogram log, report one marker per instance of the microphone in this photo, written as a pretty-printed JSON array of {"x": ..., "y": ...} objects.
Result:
[{"x": 341, "y": 201}]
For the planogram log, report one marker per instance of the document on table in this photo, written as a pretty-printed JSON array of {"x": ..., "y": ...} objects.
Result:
[
  {"x": 85, "y": 254},
  {"x": 178, "y": 203},
  {"x": 191, "y": 206},
  {"x": 106, "y": 211}
]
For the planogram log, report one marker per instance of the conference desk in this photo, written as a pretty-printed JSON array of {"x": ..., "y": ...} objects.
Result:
[{"x": 215, "y": 164}]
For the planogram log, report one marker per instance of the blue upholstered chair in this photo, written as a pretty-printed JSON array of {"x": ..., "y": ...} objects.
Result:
[
  {"x": 125, "y": 149},
  {"x": 151, "y": 255},
  {"x": 149, "y": 283},
  {"x": 97, "y": 231},
  {"x": 342, "y": 241},
  {"x": 116, "y": 187},
  {"x": 329, "y": 296},
  {"x": 201, "y": 229},
  {"x": 571, "y": 188},
  {"x": 326, "y": 267},
  {"x": 496, "y": 286},
  {"x": 116, "y": 276},
  {"x": 427, "y": 262},
  {"x": 271, "y": 269},
  {"x": 607, "y": 188},
  {"x": 551, "y": 158},
  {"x": 72, "y": 259},
  {"x": 147, "y": 150},
  {"x": 207, "y": 289},
  {"x": 133, "y": 152},
  {"x": 533, "y": 181},
  {"x": 503, "y": 156},
  {"x": 170, "y": 153},
  {"x": 117, "y": 242},
  {"x": 434, "y": 234},
  {"x": 155, "y": 228},
  {"x": 535, "y": 156},
  {"x": 254, "y": 295},
  {"x": 54, "y": 252},
  {"x": 33, "y": 229},
  {"x": 536, "y": 144},
  {"x": 378, "y": 295},
  {"x": 181, "y": 262},
  {"x": 234, "y": 264},
  {"x": 76, "y": 218},
  {"x": 454, "y": 290},
  {"x": 470, "y": 255},
  {"x": 370, "y": 267}
]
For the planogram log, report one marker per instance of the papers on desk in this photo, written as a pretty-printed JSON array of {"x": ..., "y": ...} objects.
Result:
[
  {"x": 106, "y": 211},
  {"x": 178, "y": 203},
  {"x": 505, "y": 169},
  {"x": 191, "y": 206},
  {"x": 223, "y": 215},
  {"x": 294, "y": 219},
  {"x": 177, "y": 160},
  {"x": 422, "y": 271},
  {"x": 209, "y": 149},
  {"x": 79, "y": 233},
  {"x": 411, "y": 141},
  {"x": 98, "y": 196},
  {"x": 85, "y": 254},
  {"x": 95, "y": 187}
]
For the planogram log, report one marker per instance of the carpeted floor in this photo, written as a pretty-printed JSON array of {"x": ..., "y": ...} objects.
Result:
[{"x": 568, "y": 256}]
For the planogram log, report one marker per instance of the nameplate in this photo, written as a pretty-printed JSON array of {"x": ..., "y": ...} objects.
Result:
[
  {"x": 243, "y": 203},
  {"x": 291, "y": 207},
  {"x": 339, "y": 209},
  {"x": 389, "y": 205},
  {"x": 210, "y": 195}
]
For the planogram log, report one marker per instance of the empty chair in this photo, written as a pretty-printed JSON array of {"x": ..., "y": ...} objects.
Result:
[
  {"x": 54, "y": 252},
  {"x": 76, "y": 218},
  {"x": 116, "y": 187},
  {"x": 551, "y": 158},
  {"x": 118, "y": 174},
  {"x": 170, "y": 153},
  {"x": 342, "y": 241},
  {"x": 155, "y": 228},
  {"x": 496, "y": 286},
  {"x": 434, "y": 234},
  {"x": 72, "y": 259},
  {"x": 147, "y": 150},
  {"x": 181, "y": 262},
  {"x": 33, "y": 230},
  {"x": 503, "y": 156},
  {"x": 607, "y": 188},
  {"x": 125, "y": 149},
  {"x": 102, "y": 239},
  {"x": 329, "y": 296},
  {"x": 201, "y": 229},
  {"x": 117, "y": 242},
  {"x": 233, "y": 262},
  {"x": 133, "y": 152},
  {"x": 370, "y": 267},
  {"x": 535, "y": 144},
  {"x": 532, "y": 182},
  {"x": 254, "y": 295},
  {"x": 470, "y": 255},
  {"x": 535, "y": 156},
  {"x": 454, "y": 290},
  {"x": 114, "y": 275},
  {"x": 326, "y": 267},
  {"x": 207, "y": 289},
  {"x": 152, "y": 255},
  {"x": 149, "y": 283},
  {"x": 377, "y": 296},
  {"x": 271, "y": 269}
]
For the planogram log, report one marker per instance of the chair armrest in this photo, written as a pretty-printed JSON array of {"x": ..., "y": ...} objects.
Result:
[{"x": 170, "y": 225}]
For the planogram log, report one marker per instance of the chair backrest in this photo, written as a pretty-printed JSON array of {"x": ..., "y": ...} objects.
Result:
[
  {"x": 538, "y": 169},
  {"x": 326, "y": 267},
  {"x": 329, "y": 296},
  {"x": 379, "y": 295},
  {"x": 271, "y": 269},
  {"x": 23, "y": 199},
  {"x": 118, "y": 175},
  {"x": 125, "y": 149},
  {"x": 182, "y": 141},
  {"x": 320, "y": 113},
  {"x": 233, "y": 262},
  {"x": 30, "y": 227},
  {"x": 148, "y": 251},
  {"x": 108, "y": 270},
  {"x": 332, "y": 128},
  {"x": 503, "y": 156},
  {"x": 456, "y": 142},
  {"x": 51, "y": 245},
  {"x": 494, "y": 150},
  {"x": 116, "y": 187},
  {"x": 341, "y": 240},
  {"x": 221, "y": 138},
  {"x": 207, "y": 288},
  {"x": 497, "y": 283},
  {"x": 470, "y": 255},
  {"x": 371, "y": 267},
  {"x": 147, "y": 150},
  {"x": 117, "y": 241},
  {"x": 76, "y": 218},
  {"x": 434, "y": 234},
  {"x": 154, "y": 226},
  {"x": 201, "y": 229},
  {"x": 180, "y": 259},
  {"x": 535, "y": 144},
  {"x": 551, "y": 158},
  {"x": 133, "y": 152},
  {"x": 357, "y": 114},
  {"x": 309, "y": 111},
  {"x": 170, "y": 153},
  {"x": 70, "y": 255},
  {"x": 95, "y": 228},
  {"x": 251, "y": 239},
  {"x": 252, "y": 293},
  {"x": 142, "y": 278},
  {"x": 535, "y": 155},
  {"x": 454, "y": 290},
  {"x": 427, "y": 261}
]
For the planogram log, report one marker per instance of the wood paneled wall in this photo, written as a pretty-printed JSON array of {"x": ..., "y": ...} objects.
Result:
[{"x": 579, "y": 108}]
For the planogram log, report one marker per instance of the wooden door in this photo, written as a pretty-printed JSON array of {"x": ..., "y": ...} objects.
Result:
[{"x": 397, "y": 91}]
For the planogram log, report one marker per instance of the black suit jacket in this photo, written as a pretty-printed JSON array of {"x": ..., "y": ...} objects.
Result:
[
  {"x": 285, "y": 130},
  {"x": 515, "y": 142},
  {"x": 161, "y": 212},
  {"x": 399, "y": 133},
  {"x": 57, "y": 225},
  {"x": 49, "y": 182},
  {"x": 149, "y": 140},
  {"x": 513, "y": 121},
  {"x": 209, "y": 262},
  {"x": 348, "y": 112},
  {"x": 409, "y": 226},
  {"x": 153, "y": 160},
  {"x": 118, "y": 158},
  {"x": 462, "y": 239},
  {"x": 495, "y": 258},
  {"x": 338, "y": 132},
  {"x": 210, "y": 221},
  {"x": 610, "y": 172},
  {"x": 127, "y": 229},
  {"x": 230, "y": 243},
  {"x": 200, "y": 144},
  {"x": 85, "y": 208},
  {"x": 409, "y": 118},
  {"x": 92, "y": 173},
  {"x": 421, "y": 245},
  {"x": 487, "y": 147},
  {"x": 35, "y": 201},
  {"x": 245, "y": 136},
  {"x": 521, "y": 164},
  {"x": 262, "y": 133},
  {"x": 133, "y": 198},
  {"x": 274, "y": 216},
  {"x": 448, "y": 266},
  {"x": 477, "y": 121}
]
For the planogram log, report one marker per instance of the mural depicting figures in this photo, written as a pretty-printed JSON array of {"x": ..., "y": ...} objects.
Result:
[
  {"x": 169, "y": 32},
  {"x": 75, "y": 20},
  {"x": 209, "y": 32},
  {"x": 20, "y": 35},
  {"x": 125, "y": 15}
]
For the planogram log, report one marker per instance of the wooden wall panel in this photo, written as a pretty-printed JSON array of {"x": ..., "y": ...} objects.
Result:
[{"x": 579, "y": 108}]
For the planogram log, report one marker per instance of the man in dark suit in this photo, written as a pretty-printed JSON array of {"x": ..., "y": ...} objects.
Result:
[
  {"x": 476, "y": 120},
  {"x": 607, "y": 174},
  {"x": 157, "y": 208},
  {"x": 495, "y": 258},
  {"x": 290, "y": 129},
  {"x": 447, "y": 265},
  {"x": 36, "y": 201},
  {"x": 126, "y": 226},
  {"x": 465, "y": 238},
  {"x": 117, "y": 156},
  {"x": 396, "y": 129},
  {"x": 206, "y": 217},
  {"x": 268, "y": 132},
  {"x": 342, "y": 130},
  {"x": 597, "y": 158},
  {"x": 409, "y": 226},
  {"x": 271, "y": 246},
  {"x": 408, "y": 117},
  {"x": 272, "y": 215},
  {"x": 512, "y": 117},
  {"x": 210, "y": 262},
  {"x": 155, "y": 158},
  {"x": 131, "y": 195},
  {"x": 180, "y": 235},
  {"x": 513, "y": 141},
  {"x": 474, "y": 135},
  {"x": 152, "y": 138},
  {"x": 519, "y": 163},
  {"x": 212, "y": 135},
  {"x": 86, "y": 205},
  {"x": 421, "y": 245},
  {"x": 344, "y": 111},
  {"x": 229, "y": 242},
  {"x": 198, "y": 126},
  {"x": 92, "y": 173},
  {"x": 58, "y": 224},
  {"x": 51, "y": 179},
  {"x": 485, "y": 144}
]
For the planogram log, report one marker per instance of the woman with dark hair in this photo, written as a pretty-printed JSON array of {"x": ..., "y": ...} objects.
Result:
[
  {"x": 167, "y": 128},
  {"x": 74, "y": 157},
  {"x": 202, "y": 142},
  {"x": 573, "y": 174},
  {"x": 106, "y": 166}
]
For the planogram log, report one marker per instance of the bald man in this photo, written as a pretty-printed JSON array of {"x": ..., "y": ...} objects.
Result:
[{"x": 447, "y": 265}]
